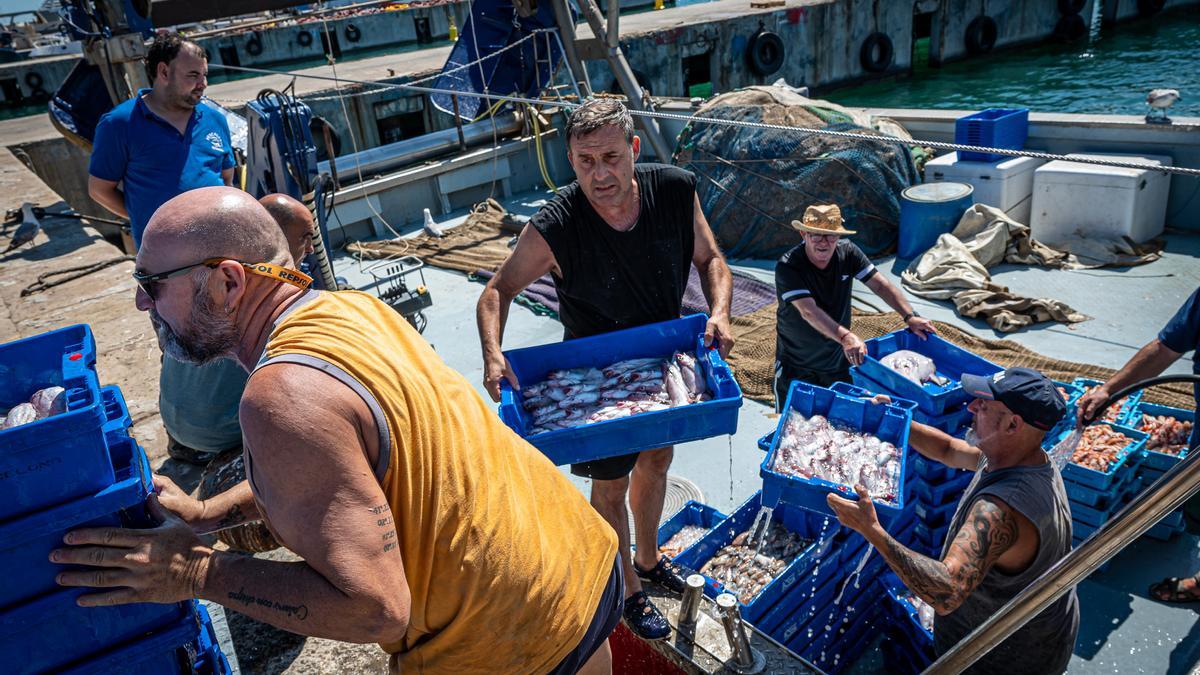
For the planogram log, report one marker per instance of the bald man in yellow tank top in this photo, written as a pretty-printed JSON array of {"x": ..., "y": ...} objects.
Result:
[{"x": 425, "y": 524}]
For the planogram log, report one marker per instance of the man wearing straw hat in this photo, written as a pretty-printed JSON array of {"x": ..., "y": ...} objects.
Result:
[{"x": 812, "y": 284}]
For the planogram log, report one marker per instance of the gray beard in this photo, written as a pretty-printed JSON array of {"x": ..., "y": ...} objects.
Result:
[{"x": 211, "y": 336}]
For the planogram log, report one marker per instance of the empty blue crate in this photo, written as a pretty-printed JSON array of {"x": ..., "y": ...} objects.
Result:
[
  {"x": 1118, "y": 414},
  {"x": 1153, "y": 459},
  {"x": 950, "y": 362},
  {"x": 25, "y": 543},
  {"x": 1100, "y": 513},
  {"x": 887, "y": 422},
  {"x": 847, "y": 389},
  {"x": 692, "y": 513},
  {"x": 62, "y": 456},
  {"x": 1003, "y": 128},
  {"x": 934, "y": 516},
  {"x": 1102, "y": 480},
  {"x": 946, "y": 492},
  {"x": 705, "y": 419},
  {"x": 186, "y": 646},
  {"x": 807, "y": 565},
  {"x": 950, "y": 422}
]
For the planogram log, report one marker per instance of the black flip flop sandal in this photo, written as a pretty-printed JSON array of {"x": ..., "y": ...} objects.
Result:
[{"x": 644, "y": 619}]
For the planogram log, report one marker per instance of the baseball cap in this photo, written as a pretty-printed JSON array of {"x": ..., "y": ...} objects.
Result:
[{"x": 1024, "y": 391}]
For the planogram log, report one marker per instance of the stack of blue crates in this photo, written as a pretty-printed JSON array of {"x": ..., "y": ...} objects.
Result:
[
  {"x": 1096, "y": 496},
  {"x": 1154, "y": 464},
  {"x": 907, "y": 645},
  {"x": 78, "y": 468}
]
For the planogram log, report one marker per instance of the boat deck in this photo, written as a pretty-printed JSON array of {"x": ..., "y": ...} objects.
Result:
[{"x": 1122, "y": 629}]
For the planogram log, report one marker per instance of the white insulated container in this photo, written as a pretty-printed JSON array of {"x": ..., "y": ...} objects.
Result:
[
  {"x": 1071, "y": 198},
  {"x": 1006, "y": 184}
]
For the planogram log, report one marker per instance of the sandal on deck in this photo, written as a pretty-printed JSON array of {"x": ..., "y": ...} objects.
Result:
[
  {"x": 1169, "y": 590},
  {"x": 644, "y": 619}
]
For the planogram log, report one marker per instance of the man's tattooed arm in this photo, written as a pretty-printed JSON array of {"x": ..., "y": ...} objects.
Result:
[{"x": 989, "y": 530}]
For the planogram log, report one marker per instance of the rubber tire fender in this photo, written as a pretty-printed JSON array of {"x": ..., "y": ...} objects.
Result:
[
  {"x": 765, "y": 53},
  {"x": 353, "y": 34},
  {"x": 304, "y": 38},
  {"x": 981, "y": 35},
  {"x": 254, "y": 45},
  {"x": 874, "y": 62}
]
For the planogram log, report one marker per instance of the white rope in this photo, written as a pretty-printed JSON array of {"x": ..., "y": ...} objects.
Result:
[{"x": 690, "y": 119}]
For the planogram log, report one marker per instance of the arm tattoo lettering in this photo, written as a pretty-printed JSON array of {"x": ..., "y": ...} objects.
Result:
[
  {"x": 389, "y": 535},
  {"x": 989, "y": 531},
  {"x": 299, "y": 612}
]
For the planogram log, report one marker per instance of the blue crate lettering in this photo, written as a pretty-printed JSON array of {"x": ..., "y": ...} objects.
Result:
[
  {"x": 1101, "y": 480},
  {"x": 1159, "y": 461},
  {"x": 809, "y": 525},
  {"x": 717, "y": 417},
  {"x": 1003, "y": 128},
  {"x": 63, "y": 456},
  {"x": 691, "y": 513},
  {"x": 887, "y": 422},
  {"x": 950, "y": 361}
]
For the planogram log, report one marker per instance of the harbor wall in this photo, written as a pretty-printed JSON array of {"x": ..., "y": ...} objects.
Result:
[{"x": 1117, "y": 11}]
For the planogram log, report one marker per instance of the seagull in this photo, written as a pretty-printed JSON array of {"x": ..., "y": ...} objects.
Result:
[
  {"x": 1161, "y": 99},
  {"x": 27, "y": 230}
]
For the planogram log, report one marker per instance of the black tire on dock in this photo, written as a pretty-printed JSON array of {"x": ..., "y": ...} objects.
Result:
[
  {"x": 765, "y": 53},
  {"x": 304, "y": 38},
  {"x": 1067, "y": 7},
  {"x": 876, "y": 53},
  {"x": 1150, "y": 7},
  {"x": 1070, "y": 28},
  {"x": 981, "y": 35},
  {"x": 254, "y": 45},
  {"x": 353, "y": 34},
  {"x": 224, "y": 472}
]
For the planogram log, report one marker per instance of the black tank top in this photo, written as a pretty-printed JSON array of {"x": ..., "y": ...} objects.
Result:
[{"x": 613, "y": 280}]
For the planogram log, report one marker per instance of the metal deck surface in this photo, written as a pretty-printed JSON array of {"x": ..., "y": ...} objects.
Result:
[{"x": 1122, "y": 629}]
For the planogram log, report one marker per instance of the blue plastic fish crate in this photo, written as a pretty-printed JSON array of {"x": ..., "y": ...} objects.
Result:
[
  {"x": 946, "y": 492},
  {"x": 934, "y": 516},
  {"x": 847, "y": 389},
  {"x": 816, "y": 600},
  {"x": 1085, "y": 383},
  {"x": 1099, "y": 514},
  {"x": 934, "y": 472},
  {"x": 887, "y": 422},
  {"x": 932, "y": 538},
  {"x": 841, "y": 648},
  {"x": 25, "y": 543},
  {"x": 63, "y": 456},
  {"x": 904, "y": 611},
  {"x": 950, "y": 361},
  {"x": 691, "y": 513},
  {"x": 950, "y": 422},
  {"x": 1095, "y": 497},
  {"x": 815, "y": 526},
  {"x": 1159, "y": 461},
  {"x": 717, "y": 417},
  {"x": 187, "y": 646},
  {"x": 1098, "y": 480},
  {"x": 1004, "y": 128},
  {"x": 900, "y": 657},
  {"x": 852, "y": 600}
]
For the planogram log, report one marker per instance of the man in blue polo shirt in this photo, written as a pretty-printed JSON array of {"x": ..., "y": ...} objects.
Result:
[
  {"x": 147, "y": 150},
  {"x": 1180, "y": 336}
]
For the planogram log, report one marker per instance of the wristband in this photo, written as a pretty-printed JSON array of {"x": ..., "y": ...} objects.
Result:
[{"x": 908, "y": 316}]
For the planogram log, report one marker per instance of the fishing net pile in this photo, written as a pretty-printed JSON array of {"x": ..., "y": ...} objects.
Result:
[{"x": 753, "y": 182}]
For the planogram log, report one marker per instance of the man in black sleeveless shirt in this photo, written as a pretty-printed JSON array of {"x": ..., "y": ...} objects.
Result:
[{"x": 619, "y": 242}]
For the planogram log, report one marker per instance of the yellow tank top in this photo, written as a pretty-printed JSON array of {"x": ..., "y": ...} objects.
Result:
[{"x": 506, "y": 561}]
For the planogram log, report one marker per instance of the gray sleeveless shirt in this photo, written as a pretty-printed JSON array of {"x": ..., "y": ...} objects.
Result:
[{"x": 1043, "y": 645}]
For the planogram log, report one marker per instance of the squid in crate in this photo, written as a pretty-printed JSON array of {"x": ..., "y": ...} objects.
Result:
[{"x": 814, "y": 447}]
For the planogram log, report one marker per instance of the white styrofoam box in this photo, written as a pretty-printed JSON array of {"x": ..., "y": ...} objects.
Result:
[
  {"x": 1006, "y": 184},
  {"x": 1071, "y": 197}
]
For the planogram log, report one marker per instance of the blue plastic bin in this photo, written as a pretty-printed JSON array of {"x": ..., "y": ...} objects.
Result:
[
  {"x": 1102, "y": 512},
  {"x": 178, "y": 648},
  {"x": 836, "y": 619},
  {"x": 1096, "y": 497},
  {"x": 949, "y": 360},
  {"x": 52, "y": 632},
  {"x": 717, "y": 417},
  {"x": 815, "y": 526},
  {"x": 1102, "y": 480},
  {"x": 691, "y": 513},
  {"x": 25, "y": 543},
  {"x": 945, "y": 492},
  {"x": 934, "y": 516},
  {"x": 951, "y": 422},
  {"x": 786, "y": 621},
  {"x": 1003, "y": 128},
  {"x": 1159, "y": 461},
  {"x": 55, "y": 459},
  {"x": 887, "y": 422},
  {"x": 929, "y": 471},
  {"x": 847, "y": 389},
  {"x": 1085, "y": 383},
  {"x": 896, "y": 590}
]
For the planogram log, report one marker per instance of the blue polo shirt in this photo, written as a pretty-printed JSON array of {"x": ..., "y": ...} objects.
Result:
[
  {"x": 1182, "y": 334},
  {"x": 156, "y": 162}
]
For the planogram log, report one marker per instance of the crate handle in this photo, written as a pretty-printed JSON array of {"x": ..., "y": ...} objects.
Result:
[
  {"x": 121, "y": 420},
  {"x": 511, "y": 412}
]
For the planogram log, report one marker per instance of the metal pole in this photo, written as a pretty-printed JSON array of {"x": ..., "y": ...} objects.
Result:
[
  {"x": 458, "y": 125},
  {"x": 566, "y": 30},
  {"x": 1167, "y": 494},
  {"x": 735, "y": 630},
  {"x": 614, "y": 13},
  {"x": 689, "y": 607},
  {"x": 624, "y": 74}
]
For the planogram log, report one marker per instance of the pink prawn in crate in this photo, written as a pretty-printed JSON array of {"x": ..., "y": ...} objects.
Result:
[
  {"x": 571, "y": 398},
  {"x": 813, "y": 447}
]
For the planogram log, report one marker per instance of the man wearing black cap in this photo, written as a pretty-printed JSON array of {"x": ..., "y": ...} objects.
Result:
[{"x": 1012, "y": 524}]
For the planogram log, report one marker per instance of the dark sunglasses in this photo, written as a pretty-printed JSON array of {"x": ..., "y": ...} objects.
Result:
[{"x": 149, "y": 282}]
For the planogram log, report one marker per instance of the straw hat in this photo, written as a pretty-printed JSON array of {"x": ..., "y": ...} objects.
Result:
[{"x": 822, "y": 219}]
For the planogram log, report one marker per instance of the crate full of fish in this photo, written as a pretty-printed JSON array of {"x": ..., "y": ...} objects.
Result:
[
  {"x": 951, "y": 421},
  {"x": 1167, "y": 432},
  {"x": 683, "y": 529},
  {"x": 1097, "y": 497},
  {"x": 761, "y": 556},
  {"x": 621, "y": 392},
  {"x": 925, "y": 371},
  {"x": 1103, "y": 450},
  {"x": 1119, "y": 411},
  {"x": 51, "y": 421},
  {"x": 847, "y": 389},
  {"x": 828, "y": 442}
]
